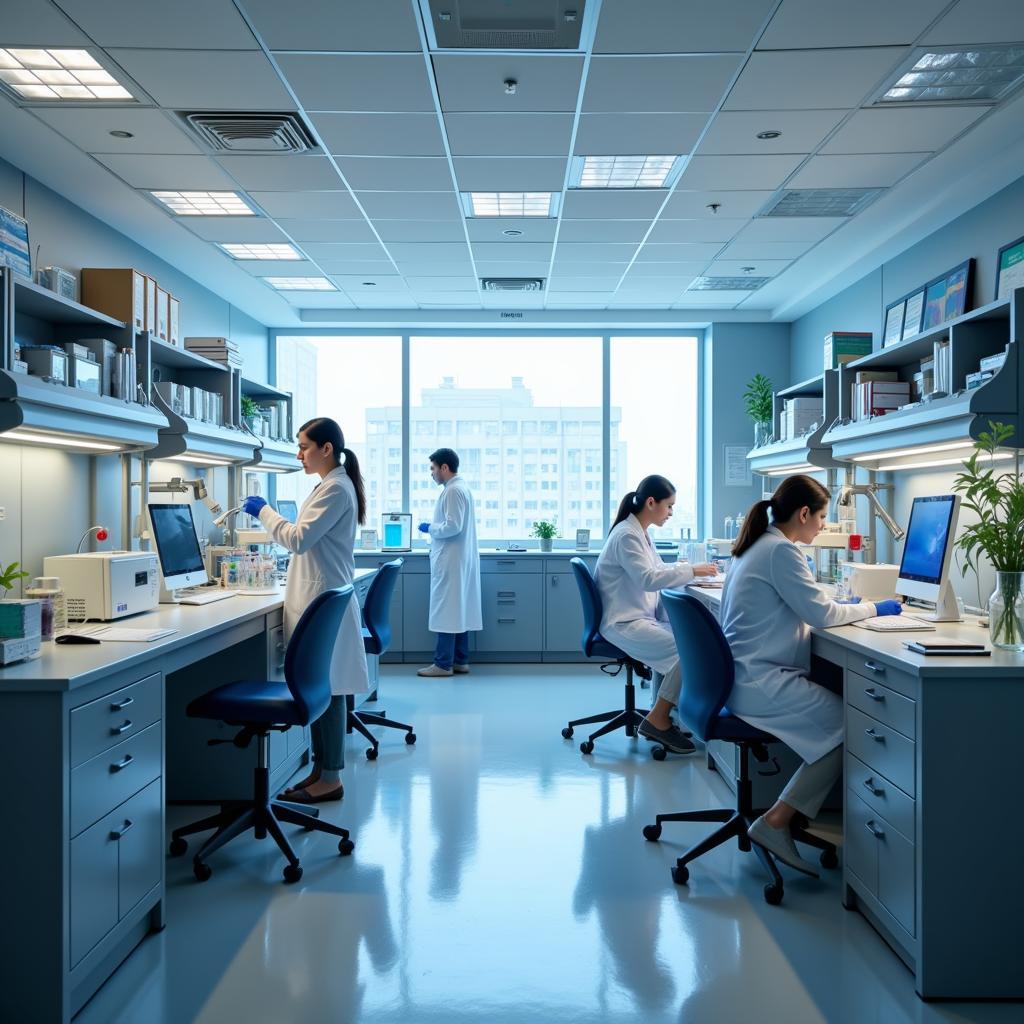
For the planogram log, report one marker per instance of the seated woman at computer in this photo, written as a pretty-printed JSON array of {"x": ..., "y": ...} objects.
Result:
[
  {"x": 321, "y": 541},
  {"x": 769, "y": 602},
  {"x": 629, "y": 575}
]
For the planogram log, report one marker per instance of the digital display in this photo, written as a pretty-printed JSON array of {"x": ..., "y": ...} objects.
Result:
[
  {"x": 176, "y": 541},
  {"x": 392, "y": 535},
  {"x": 924, "y": 549}
]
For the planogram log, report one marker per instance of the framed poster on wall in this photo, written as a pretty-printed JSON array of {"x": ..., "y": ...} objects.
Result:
[
  {"x": 894, "y": 323},
  {"x": 912, "y": 314},
  {"x": 1010, "y": 269},
  {"x": 947, "y": 296},
  {"x": 14, "y": 248}
]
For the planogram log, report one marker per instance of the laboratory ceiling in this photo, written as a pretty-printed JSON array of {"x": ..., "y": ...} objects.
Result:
[{"x": 756, "y": 98}]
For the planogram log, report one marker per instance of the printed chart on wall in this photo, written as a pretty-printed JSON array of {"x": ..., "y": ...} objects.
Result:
[
  {"x": 1011, "y": 269},
  {"x": 14, "y": 249},
  {"x": 737, "y": 469}
]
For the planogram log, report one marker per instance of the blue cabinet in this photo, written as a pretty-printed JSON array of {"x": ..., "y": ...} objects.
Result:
[
  {"x": 511, "y": 604},
  {"x": 415, "y": 612}
]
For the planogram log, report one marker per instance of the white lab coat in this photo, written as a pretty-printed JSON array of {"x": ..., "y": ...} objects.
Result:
[
  {"x": 630, "y": 574},
  {"x": 454, "y": 562},
  {"x": 321, "y": 542},
  {"x": 769, "y": 604}
]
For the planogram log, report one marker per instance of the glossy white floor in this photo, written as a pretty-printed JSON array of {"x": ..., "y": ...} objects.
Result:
[{"x": 499, "y": 875}]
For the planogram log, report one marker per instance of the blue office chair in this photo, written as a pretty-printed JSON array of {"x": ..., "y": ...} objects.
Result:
[
  {"x": 265, "y": 706},
  {"x": 595, "y": 645},
  {"x": 376, "y": 640},
  {"x": 709, "y": 675}
]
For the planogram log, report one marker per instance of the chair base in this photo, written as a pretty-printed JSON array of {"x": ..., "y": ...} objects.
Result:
[
  {"x": 357, "y": 721},
  {"x": 627, "y": 718}
]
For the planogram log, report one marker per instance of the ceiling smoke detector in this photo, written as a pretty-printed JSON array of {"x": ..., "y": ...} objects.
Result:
[
  {"x": 252, "y": 132},
  {"x": 512, "y": 284}
]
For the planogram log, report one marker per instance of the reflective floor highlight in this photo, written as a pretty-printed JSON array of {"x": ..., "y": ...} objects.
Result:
[{"x": 501, "y": 876}]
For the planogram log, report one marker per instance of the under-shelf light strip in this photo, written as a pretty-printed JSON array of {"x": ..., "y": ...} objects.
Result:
[
  {"x": 927, "y": 449},
  {"x": 936, "y": 463},
  {"x": 60, "y": 440}
]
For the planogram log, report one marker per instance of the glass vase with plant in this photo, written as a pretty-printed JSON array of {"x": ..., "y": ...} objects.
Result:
[
  {"x": 997, "y": 500},
  {"x": 10, "y": 576},
  {"x": 758, "y": 401},
  {"x": 545, "y": 532},
  {"x": 250, "y": 411}
]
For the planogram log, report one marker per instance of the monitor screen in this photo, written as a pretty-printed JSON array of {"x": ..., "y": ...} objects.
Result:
[
  {"x": 928, "y": 535},
  {"x": 176, "y": 543},
  {"x": 288, "y": 509}
]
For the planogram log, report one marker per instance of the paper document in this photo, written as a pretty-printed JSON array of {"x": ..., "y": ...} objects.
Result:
[{"x": 125, "y": 634}]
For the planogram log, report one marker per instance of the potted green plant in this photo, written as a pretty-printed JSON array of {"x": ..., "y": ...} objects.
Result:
[
  {"x": 545, "y": 532},
  {"x": 250, "y": 413},
  {"x": 10, "y": 576},
  {"x": 758, "y": 400},
  {"x": 997, "y": 500}
]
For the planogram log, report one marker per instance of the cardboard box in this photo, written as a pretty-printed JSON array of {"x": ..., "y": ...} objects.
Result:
[
  {"x": 20, "y": 618},
  {"x": 151, "y": 305},
  {"x": 845, "y": 346},
  {"x": 118, "y": 292},
  {"x": 162, "y": 313}
]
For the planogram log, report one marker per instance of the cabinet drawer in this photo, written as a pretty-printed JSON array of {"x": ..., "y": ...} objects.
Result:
[
  {"x": 881, "y": 703},
  {"x": 563, "y": 564},
  {"x": 881, "y": 748},
  {"x": 102, "y": 723},
  {"x": 511, "y": 608},
  {"x": 525, "y": 565},
  {"x": 872, "y": 668},
  {"x": 99, "y": 785},
  {"x": 881, "y": 795},
  {"x": 140, "y": 846}
]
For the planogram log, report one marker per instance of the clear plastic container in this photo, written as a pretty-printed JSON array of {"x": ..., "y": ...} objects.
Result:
[{"x": 48, "y": 590}]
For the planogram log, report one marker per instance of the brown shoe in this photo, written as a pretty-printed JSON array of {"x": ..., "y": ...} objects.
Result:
[
  {"x": 434, "y": 670},
  {"x": 460, "y": 670},
  {"x": 303, "y": 796}
]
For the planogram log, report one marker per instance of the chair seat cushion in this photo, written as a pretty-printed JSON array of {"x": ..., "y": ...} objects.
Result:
[
  {"x": 262, "y": 702},
  {"x": 732, "y": 729},
  {"x": 601, "y": 648}
]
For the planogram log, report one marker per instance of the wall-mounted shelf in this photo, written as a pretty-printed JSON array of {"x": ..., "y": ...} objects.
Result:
[
  {"x": 172, "y": 356},
  {"x": 42, "y": 304},
  {"x": 276, "y": 454},
  {"x": 186, "y": 439}
]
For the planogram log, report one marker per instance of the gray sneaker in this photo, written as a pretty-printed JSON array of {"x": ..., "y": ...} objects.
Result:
[
  {"x": 779, "y": 843},
  {"x": 671, "y": 738}
]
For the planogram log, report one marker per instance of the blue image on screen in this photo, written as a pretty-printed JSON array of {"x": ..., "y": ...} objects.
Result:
[
  {"x": 392, "y": 535},
  {"x": 925, "y": 547}
]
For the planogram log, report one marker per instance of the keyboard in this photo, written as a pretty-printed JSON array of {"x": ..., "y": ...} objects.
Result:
[
  {"x": 894, "y": 624},
  {"x": 205, "y": 596}
]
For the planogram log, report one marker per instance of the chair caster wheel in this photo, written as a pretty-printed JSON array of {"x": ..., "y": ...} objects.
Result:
[
  {"x": 178, "y": 846},
  {"x": 371, "y": 753},
  {"x": 659, "y": 753},
  {"x": 201, "y": 871},
  {"x": 567, "y": 733},
  {"x": 292, "y": 873},
  {"x": 345, "y": 847},
  {"x": 652, "y": 833},
  {"x": 587, "y": 747},
  {"x": 773, "y": 894},
  {"x": 410, "y": 738},
  {"x": 829, "y": 859},
  {"x": 680, "y": 874}
]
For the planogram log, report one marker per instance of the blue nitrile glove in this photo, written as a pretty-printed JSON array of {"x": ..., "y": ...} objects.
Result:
[
  {"x": 424, "y": 527},
  {"x": 888, "y": 608},
  {"x": 252, "y": 505}
]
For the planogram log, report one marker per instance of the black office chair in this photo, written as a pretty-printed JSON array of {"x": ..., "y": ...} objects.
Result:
[
  {"x": 376, "y": 640},
  {"x": 265, "y": 706},
  {"x": 709, "y": 680},
  {"x": 595, "y": 645}
]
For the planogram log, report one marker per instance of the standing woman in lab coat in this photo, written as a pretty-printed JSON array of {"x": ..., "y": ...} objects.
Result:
[
  {"x": 630, "y": 575},
  {"x": 321, "y": 541},
  {"x": 769, "y": 604}
]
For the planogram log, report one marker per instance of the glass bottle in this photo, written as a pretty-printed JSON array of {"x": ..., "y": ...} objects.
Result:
[
  {"x": 1006, "y": 612},
  {"x": 48, "y": 590}
]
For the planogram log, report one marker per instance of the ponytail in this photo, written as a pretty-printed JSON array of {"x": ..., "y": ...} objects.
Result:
[
  {"x": 657, "y": 487},
  {"x": 793, "y": 494},
  {"x": 321, "y": 430},
  {"x": 352, "y": 469},
  {"x": 754, "y": 527}
]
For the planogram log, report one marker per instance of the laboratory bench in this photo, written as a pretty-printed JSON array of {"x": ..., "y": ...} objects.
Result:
[
  {"x": 97, "y": 743},
  {"x": 931, "y": 834}
]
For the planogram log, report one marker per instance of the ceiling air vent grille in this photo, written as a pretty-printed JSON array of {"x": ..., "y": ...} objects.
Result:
[
  {"x": 512, "y": 284},
  {"x": 252, "y": 132},
  {"x": 728, "y": 284},
  {"x": 526, "y": 25},
  {"x": 821, "y": 202}
]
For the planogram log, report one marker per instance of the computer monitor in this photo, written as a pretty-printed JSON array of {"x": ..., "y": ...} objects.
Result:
[
  {"x": 927, "y": 552},
  {"x": 288, "y": 509},
  {"x": 177, "y": 546}
]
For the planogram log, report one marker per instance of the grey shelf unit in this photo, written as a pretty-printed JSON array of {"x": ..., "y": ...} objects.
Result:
[{"x": 275, "y": 454}]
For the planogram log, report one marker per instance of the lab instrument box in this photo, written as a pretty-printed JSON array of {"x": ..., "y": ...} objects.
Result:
[
  {"x": 845, "y": 346},
  {"x": 107, "y": 585},
  {"x": 869, "y": 582}
]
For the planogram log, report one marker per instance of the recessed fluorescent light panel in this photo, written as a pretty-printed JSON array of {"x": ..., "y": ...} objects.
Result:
[
  {"x": 624, "y": 171},
  {"x": 821, "y": 202},
  {"x": 58, "y": 75},
  {"x": 728, "y": 284},
  {"x": 205, "y": 204},
  {"x": 245, "y": 251},
  {"x": 510, "y": 204},
  {"x": 978, "y": 74},
  {"x": 300, "y": 284}
]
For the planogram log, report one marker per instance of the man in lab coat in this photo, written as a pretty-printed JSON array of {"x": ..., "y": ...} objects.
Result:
[{"x": 454, "y": 568}]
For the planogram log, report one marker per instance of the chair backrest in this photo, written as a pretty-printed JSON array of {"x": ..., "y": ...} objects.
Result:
[
  {"x": 377, "y": 607},
  {"x": 705, "y": 659},
  {"x": 307, "y": 662},
  {"x": 593, "y": 610}
]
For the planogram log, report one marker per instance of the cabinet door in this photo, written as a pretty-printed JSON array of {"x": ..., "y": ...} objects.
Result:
[
  {"x": 415, "y": 612},
  {"x": 860, "y": 845},
  {"x": 896, "y": 874},
  {"x": 93, "y": 897},
  {"x": 563, "y": 612},
  {"x": 140, "y": 822},
  {"x": 511, "y": 612}
]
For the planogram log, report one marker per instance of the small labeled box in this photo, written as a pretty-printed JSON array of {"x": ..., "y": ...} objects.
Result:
[
  {"x": 151, "y": 290},
  {"x": 161, "y": 313},
  {"x": 174, "y": 320},
  {"x": 120, "y": 293},
  {"x": 845, "y": 346}
]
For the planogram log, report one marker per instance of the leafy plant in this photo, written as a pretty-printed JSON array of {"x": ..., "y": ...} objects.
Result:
[
  {"x": 757, "y": 399},
  {"x": 10, "y": 576},
  {"x": 544, "y": 530},
  {"x": 249, "y": 407}
]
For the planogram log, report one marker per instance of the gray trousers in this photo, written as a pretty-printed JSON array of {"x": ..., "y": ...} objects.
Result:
[
  {"x": 667, "y": 686},
  {"x": 328, "y": 735},
  {"x": 811, "y": 783}
]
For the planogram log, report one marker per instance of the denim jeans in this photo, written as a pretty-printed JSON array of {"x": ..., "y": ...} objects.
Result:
[{"x": 451, "y": 648}]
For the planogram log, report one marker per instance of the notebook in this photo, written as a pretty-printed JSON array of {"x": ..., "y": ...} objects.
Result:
[
  {"x": 125, "y": 634},
  {"x": 947, "y": 647}
]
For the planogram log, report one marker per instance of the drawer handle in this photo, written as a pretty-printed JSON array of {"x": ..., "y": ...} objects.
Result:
[
  {"x": 122, "y": 764},
  {"x": 877, "y": 737},
  {"x": 872, "y": 667},
  {"x": 869, "y": 785},
  {"x": 506, "y": 593},
  {"x": 121, "y": 705},
  {"x": 505, "y": 561},
  {"x": 506, "y": 620},
  {"x": 873, "y": 693},
  {"x": 119, "y": 833},
  {"x": 118, "y": 730},
  {"x": 874, "y": 829}
]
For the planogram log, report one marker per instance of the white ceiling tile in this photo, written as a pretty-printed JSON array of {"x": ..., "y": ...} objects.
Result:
[
  {"x": 572, "y": 268},
  {"x": 380, "y": 134},
  {"x": 863, "y": 171},
  {"x": 708, "y": 230},
  {"x": 594, "y": 252},
  {"x": 709, "y": 300},
  {"x": 206, "y": 79},
  {"x": 387, "y": 300},
  {"x": 672, "y": 268},
  {"x": 153, "y": 131},
  {"x": 282, "y": 172},
  {"x": 690, "y": 84},
  {"x": 332, "y": 205},
  {"x": 669, "y": 252},
  {"x": 277, "y": 268},
  {"x": 39, "y": 23},
  {"x": 346, "y": 251},
  {"x": 686, "y": 205},
  {"x": 510, "y": 174},
  {"x": 511, "y": 250},
  {"x": 234, "y": 229},
  {"x": 635, "y": 302},
  {"x": 473, "y": 82},
  {"x": 512, "y": 300},
  {"x": 504, "y": 268},
  {"x": 396, "y": 174},
  {"x": 755, "y": 250},
  {"x": 738, "y": 268},
  {"x": 318, "y": 300},
  {"x": 653, "y": 134},
  {"x": 735, "y": 131},
  {"x": 667, "y": 284},
  {"x": 437, "y": 268},
  {"x": 612, "y": 204},
  {"x": 335, "y": 24},
  {"x": 360, "y": 82},
  {"x": 752, "y": 173},
  {"x": 192, "y": 24},
  {"x": 575, "y": 301},
  {"x": 800, "y": 24},
  {"x": 338, "y": 231},
  {"x": 411, "y": 205},
  {"x": 917, "y": 129},
  {"x": 567, "y": 283},
  {"x": 451, "y": 283},
  {"x": 979, "y": 21},
  {"x": 351, "y": 283},
  {"x": 679, "y": 26},
  {"x": 603, "y": 230},
  {"x": 420, "y": 230},
  {"x": 167, "y": 172},
  {"x": 448, "y": 299},
  {"x": 789, "y": 229},
  {"x": 532, "y": 229},
  {"x": 424, "y": 252},
  {"x": 498, "y": 134},
  {"x": 368, "y": 269},
  {"x": 811, "y": 79}
]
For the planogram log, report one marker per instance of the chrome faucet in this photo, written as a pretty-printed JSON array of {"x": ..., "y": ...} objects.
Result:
[{"x": 845, "y": 497}]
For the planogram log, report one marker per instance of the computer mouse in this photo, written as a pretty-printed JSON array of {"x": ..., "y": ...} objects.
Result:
[{"x": 76, "y": 638}]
